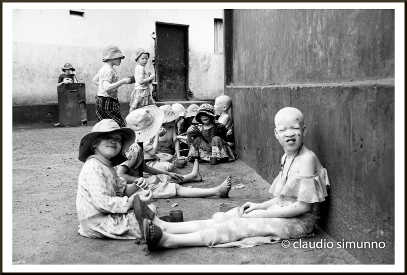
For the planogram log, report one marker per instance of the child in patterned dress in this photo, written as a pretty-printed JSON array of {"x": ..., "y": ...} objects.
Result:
[
  {"x": 141, "y": 95},
  {"x": 104, "y": 201},
  {"x": 298, "y": 189},
  {"x": 207, "y": 139}
]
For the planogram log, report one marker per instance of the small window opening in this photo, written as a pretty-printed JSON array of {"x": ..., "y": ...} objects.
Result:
[
  {"x": 79, "y": 13},
  {"x": 218, "y": 35}
]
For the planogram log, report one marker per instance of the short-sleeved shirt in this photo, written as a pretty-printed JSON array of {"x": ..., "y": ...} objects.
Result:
[
  {"x": 107, "y": 73},
  {"x": 141, "y": 73}
]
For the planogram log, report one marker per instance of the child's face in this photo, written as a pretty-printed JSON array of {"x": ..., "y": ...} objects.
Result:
[
  {"x": 116, "y": 61},
  {"x": 289, "y": 131},
  {"x": 206, "y": 120},
  {"x": 219, "y": 106},
  {"x": 68, "y": 72},
  {"x": 143, "y": 59},
  {"x": 109, "y": 146}
]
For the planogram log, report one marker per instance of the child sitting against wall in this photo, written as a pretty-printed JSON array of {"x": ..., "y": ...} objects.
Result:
[
  {"x": 222, "y": 106},
  {"x": 298, "y": 189},
  {"x": 207, "y": 139}
]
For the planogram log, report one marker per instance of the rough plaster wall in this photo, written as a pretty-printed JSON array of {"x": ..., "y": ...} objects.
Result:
[
  {"x": 338, "y": 67},
  {"x": 44, "y": 40},
  {"x": 206, "y": 75}
]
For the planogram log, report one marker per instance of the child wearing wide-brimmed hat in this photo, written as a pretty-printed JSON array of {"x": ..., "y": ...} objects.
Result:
[
  {"x": 207, "y": 139},
  {"x": 141, "y": 95},
  {"x": 107, "y": 102},
  {"x": 104, "y": 200},
  {"x": 68, "y": 76},
  {"x": 164, "y": 184}
]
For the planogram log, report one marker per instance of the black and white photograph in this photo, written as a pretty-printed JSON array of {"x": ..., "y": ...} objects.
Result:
[{"x": 203, "y": 137}]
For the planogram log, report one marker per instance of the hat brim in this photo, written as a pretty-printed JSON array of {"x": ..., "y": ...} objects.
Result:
[
  {"x": 88, "y": 140},
  {"x": 189, "y": 114},
  {"x": 202, "y": 112},
  {"x": 147, "y": 134}
]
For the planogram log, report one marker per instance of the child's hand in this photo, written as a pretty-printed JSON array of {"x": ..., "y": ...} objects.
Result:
[
  {"x": 141, "y": 183},
  {"x": 147, "y": 197},
  {"x": 127, "y": 80},
  {"x": 248, "y": 207},
  {"x": 162, "y": 132},
  {"x": 175, "y": 176}
]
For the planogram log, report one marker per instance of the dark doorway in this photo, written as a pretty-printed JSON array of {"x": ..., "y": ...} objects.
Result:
[{"x": 172, "y": 61}]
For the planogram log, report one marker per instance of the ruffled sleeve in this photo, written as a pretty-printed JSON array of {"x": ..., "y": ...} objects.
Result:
[{"x": 308, "y": 189}]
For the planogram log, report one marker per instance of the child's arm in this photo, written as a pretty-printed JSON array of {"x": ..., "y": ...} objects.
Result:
[
  {"x": 289, "y": 211},
  {"x": 122, "y": 171},
  {"x": 107, "y": 86},
  {"x": 155, "y": 171},
  {"x": 95, "y": 80},
  {"x": 174, "y": 138},
  {"x": 250, "y": 206},
  {"x": 139, "y": 74},
  {"x": 224, "y": 119}
]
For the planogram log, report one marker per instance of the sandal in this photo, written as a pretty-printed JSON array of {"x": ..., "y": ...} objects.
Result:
[
  {"x": 142, "y": 211},
  {"x": 152, "y": 235}
]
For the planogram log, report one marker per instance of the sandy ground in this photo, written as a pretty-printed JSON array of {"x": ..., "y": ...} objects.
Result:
[{"x": 44, "y": 222}]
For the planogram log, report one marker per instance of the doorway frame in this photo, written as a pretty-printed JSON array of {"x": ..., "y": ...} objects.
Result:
[{"x": 186, "y": 57}]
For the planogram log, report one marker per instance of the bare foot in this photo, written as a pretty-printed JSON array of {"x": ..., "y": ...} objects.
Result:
[
  {"x": 195, "y": 172},
  {"x": 224, "y": 188}
]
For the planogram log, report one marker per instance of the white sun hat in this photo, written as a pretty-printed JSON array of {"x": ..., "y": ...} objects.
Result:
[{"x": 145, "y": 122}]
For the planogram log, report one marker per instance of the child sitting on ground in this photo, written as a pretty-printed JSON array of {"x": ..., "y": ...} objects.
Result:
[
  {"x": 189, "y": 120},
  {"x": 181, "y": 127},
  {"x": 104, "y": 200},
  {"x": 298, "y": 189},
  {"x": 208, "y": 138},
  {"x": 141, "y": 96},
  {"x": 163, "y": 184},
  {"x": 222, "y": 105}
]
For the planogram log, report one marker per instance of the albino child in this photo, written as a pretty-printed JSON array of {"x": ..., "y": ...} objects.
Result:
[
  {"x": 141, "y": 95},
  {"x": 291, "y": 214},
  {"x": 222, "y": 106},
  {"x": 207, "y": 139}
]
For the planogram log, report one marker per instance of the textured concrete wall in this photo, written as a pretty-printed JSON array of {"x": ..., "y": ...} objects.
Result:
[
  {"x": 44, "y": 40},
  {"x": 338, "y": 68}
]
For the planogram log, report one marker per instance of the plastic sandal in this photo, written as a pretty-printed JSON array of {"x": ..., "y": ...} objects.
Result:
[
  {"x": 142, "y": 211},
  {"x": 152, "y": 235}
]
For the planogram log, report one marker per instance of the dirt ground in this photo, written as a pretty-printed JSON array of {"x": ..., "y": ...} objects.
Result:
[{"x": 45, "y": 169}]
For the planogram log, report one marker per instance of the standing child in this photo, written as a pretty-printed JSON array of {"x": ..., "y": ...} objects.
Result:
[
  {"x": 141, "y": 95},
  {"x": 107, "y": 103},
  {"x": 104, "y": 201},
  {"x": 208, "y": 138},
  {"x": 68, "y": 76},
  {"x": 222, "y": 105},
  {"x": 291, "y": 214}
]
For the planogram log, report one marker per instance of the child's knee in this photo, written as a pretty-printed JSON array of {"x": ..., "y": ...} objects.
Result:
[{"x": 170, "y": 167}]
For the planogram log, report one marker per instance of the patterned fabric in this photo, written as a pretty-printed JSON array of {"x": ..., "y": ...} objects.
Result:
[
  {"x": 108, "y": 107},
  {"x": 107, "y": 73},
  {"x": 140, "y": 98},
  {"x": 103, "y": 210},
  {"x": 161, "y": 185},
  {"x": 209, "y": 143},
  {"x": 228, "y": 229}
]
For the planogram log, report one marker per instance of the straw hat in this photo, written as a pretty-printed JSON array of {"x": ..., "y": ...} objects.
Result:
[
  {"x": 145, "y": 122},
  {"x": 192, "y": 110},
  {"x": 112, "y": 52},
  {"x": 139, "y": 52},
  {"x": 68, "y": 66},
  {"x": 169, "y": 114},
  {"x": 205, "y": 109},
  {"x": 178, "y": 109},
  {"x": 101, "y": 128}
]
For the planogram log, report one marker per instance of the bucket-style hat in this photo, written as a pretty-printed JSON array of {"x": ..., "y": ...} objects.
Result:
[
  {"x": 145, "y": 122},
  {"x": 169, "y": 114},
  {"x": 112, "y": 52},
  {"x": 139, "y": 52},
  {"x": 192, "y": 110},
  {"x": 206, "y": 109},
  {"x": 178, "y": 109},
  {"x": 101, "y": 128},
  {"x": 68, "y": 66}
]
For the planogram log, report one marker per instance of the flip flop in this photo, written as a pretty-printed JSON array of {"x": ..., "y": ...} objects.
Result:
[
  {"x": 142, "y": 211},
  {"x": 152, "y": 235}
]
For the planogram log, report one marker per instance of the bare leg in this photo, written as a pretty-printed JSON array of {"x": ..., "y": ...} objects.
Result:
[
  {"x": 179, "y": 227},
  {"x": 194, "y": 176},
  {"x": 173, "y": 240},
  {"x": 221, "y": 190}
]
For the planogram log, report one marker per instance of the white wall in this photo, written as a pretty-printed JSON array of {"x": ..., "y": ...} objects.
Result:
[{"x": 44, "y": 40}]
